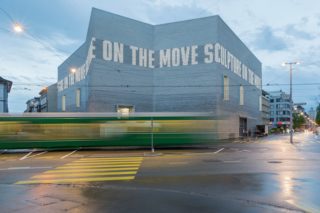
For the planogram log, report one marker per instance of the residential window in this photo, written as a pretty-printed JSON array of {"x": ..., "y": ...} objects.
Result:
[
  {"x": 78, "y": 97},
  {"x": 225, "y": 88},
  {"x": 242, "y": 96},
  {"x": 63, "y": 103}
]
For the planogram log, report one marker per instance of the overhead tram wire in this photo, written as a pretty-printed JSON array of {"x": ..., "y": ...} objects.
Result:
[
  {"x": 46, "y": 46},
  {"x": 38, "y": 40},
  {"x": 31, "y": 36},
  {"x": 7, "y": 14}
]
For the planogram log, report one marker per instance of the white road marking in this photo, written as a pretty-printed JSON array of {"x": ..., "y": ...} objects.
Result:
[
  {"x": 38, "y": 154},
  {"x": 204, "y": 153},
  {"x": 216, "y": 152},
  {"x": 31, "y": 156},
  {"x": 67, "y": 155},
  {"x": 24, "y": 157},
  {"x": 27, "y": 167}
]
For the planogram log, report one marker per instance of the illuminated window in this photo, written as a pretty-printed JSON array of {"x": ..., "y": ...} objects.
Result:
[
  {"x": 125, "y": 110},
  {"x": 63, "y": 103},
  {"x": 241, "y": 95},
  {"x": 78, "y": 95},
  {"x": 225, "y": 88}
]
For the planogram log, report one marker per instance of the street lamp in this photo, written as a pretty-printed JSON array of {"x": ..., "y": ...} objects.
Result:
[
  {"x": 291, "y": 102},
  {"x": 18, "y": 28},
  {"x": 73, "y": 70}
]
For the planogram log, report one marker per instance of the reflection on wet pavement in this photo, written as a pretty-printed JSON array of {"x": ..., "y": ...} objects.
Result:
[{"x": 269, "y": 176}]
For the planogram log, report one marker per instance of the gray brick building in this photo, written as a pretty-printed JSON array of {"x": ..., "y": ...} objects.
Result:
[{"x": 197, "y": 65}]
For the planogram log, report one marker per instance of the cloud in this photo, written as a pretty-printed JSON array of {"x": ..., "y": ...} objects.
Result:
[
  {"x": 288, "y": 31},
  {"x": 175, "y": 13},
  {"x": 267, "y": 40},
  {"x": 58, "y": 39},
  {"x": 299, "y": 34},
  {"x": 31, "y": 65}
]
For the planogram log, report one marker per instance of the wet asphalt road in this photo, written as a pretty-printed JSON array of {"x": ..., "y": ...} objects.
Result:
[{"x": 265, "y": 175}]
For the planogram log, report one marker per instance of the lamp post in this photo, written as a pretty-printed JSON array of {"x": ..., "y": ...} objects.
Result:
[{"x": 291, "y": 102}]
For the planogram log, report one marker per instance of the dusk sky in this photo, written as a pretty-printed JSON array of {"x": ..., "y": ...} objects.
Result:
[{"x": 275, "y": 31}]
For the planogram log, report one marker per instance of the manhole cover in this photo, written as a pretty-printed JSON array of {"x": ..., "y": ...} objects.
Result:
[{"x": 274, "y": 161}]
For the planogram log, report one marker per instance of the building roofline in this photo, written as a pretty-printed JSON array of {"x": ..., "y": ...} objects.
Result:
[
  {"x": 142, "y": 22},
  {"x": 172, "y": 23},
  {"x": 94, "y": 8}
]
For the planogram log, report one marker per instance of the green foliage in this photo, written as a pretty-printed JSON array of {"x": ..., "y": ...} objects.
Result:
[
  {"x": 318, "y": 115},
  {"x": 298, "y": 120}
]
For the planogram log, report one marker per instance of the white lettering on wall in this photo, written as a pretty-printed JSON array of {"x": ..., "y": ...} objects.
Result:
[
  {"x": 175, "y": 55},
  {"x": 80, "y": 72},
  {"x": 194, "y": 54},
  {"x": 151, "y": 59},
  {"x": 107, "y": 50},
  {"x": 165, "y": 58},
  {"x": 118, "y": 52},
  {"x": 143, "y": 57},
  {"x": 223, "y": 56},
  {"x": 217, "y": 53},
  {"x": 208, "y": 53},
  {"x": 112, "y": 51},
  {"x": 134, "y": 54},
  {"x": 230, "y": 64},
  {"x": 185, "y": 54}
]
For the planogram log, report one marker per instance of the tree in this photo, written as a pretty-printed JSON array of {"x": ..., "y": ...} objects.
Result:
[
  {"x": 298, "y": 120},
  {"x": 318, "y": 115}
]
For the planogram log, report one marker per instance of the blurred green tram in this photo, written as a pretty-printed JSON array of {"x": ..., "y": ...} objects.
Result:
[{"x": 75, "y": 130}]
